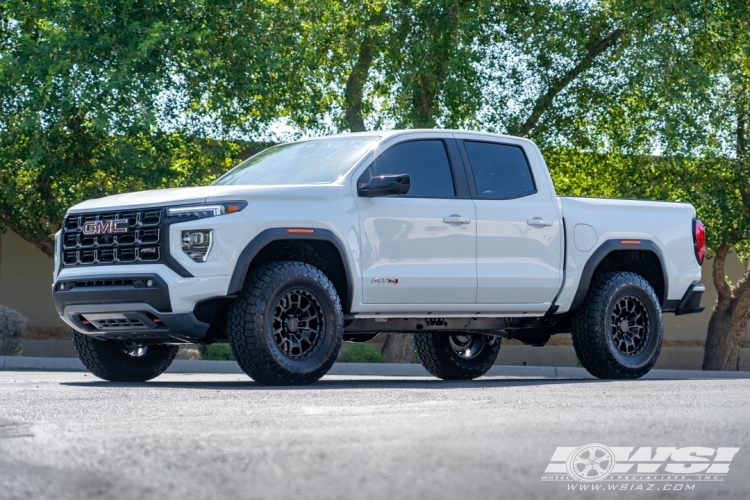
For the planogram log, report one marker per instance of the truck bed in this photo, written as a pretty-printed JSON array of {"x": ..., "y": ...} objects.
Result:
[{"x": 590, "y": 222}]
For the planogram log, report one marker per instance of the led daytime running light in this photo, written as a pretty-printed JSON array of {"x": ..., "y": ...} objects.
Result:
[{"x": 203, "y": 211}]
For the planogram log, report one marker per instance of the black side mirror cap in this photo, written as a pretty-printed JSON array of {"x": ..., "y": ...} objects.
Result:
[{"x": 385, "y": 185}]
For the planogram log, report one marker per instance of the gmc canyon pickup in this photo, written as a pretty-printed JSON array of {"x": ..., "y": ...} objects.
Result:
[{"x": 457, "y": 238}]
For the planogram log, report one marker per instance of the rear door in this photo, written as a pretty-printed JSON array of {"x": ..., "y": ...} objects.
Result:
[
  {"x": 519, "y": 234},
  {"x": 419, "y": 248}
]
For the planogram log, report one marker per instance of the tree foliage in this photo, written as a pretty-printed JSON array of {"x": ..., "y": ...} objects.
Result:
[{"x": 99, "y": 97}]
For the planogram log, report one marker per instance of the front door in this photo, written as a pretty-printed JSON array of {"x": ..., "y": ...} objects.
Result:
[{"x": 418, "y": 248}]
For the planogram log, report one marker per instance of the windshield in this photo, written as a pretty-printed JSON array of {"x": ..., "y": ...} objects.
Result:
[{"x": 309, "y": 162}]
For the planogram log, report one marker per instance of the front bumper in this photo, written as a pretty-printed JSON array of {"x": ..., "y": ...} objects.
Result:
[
  {"x": 134, "y": 322},
  {"x": 134, "y": 307},
  {"x": 149, "y": 288}
]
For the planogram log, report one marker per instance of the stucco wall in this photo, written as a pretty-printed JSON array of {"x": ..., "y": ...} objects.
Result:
[
  {"x": 26, "y": 281},
  {"x": 26, "y": 277},
  {"x": 694, "y": 326}
]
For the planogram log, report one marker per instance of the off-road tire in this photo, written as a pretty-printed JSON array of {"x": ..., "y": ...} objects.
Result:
[
  {"x": 440, "y": 359},
  {"x": 592, "y": 328},
  {"x": 251, "y": 317},
  {"x": 107, "y": 360}
]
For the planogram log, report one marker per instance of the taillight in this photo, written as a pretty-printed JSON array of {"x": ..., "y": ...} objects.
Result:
[{"x": 699, "y": 239}]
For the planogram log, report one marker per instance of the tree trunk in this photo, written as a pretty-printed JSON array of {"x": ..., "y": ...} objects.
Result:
[
  {"x": 423, "y": 101},
  {"x": 725, "y": 329},
  {"x": 728, "y": 319},
  {"x": 732, "y": 310},
  {"x": 355, "y": 85},
  {"x": 433, "y": 71},
  {"x": 596, "y": 47},
  {"x": 355, "y": 82},
  {"x": 398, "y": 348}
]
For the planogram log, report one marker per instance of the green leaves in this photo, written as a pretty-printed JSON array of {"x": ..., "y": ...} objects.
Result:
[
  {"x": 98, "y": 97},
  {"x": 43, "y": 173},
  {"x": 712, "y": 185}
]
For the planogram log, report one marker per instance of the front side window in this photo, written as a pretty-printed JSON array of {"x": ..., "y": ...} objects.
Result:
[
  {"x": 501, "y": 171},
  {"x": 320, "y": 161},
  {"x": 426, "y": 162}
]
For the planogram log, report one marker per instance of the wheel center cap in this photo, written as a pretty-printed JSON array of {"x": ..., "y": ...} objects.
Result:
[
  {"x": 292, "y": 324},
  {"x": 624, "y": 326}
]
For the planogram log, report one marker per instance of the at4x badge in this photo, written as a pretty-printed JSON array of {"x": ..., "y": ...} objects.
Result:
[{"x": 386, "y": 281}]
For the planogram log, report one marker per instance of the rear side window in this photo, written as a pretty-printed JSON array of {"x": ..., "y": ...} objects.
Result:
[
  {"x": 501, "y": 171},
  {"x": 426, "y": 162}
]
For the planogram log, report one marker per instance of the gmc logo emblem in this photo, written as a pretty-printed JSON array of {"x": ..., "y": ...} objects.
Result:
[{"x": 106, "y": 226}]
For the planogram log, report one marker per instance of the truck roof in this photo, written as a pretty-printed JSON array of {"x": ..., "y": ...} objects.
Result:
[{"x": 386, "y": 134}]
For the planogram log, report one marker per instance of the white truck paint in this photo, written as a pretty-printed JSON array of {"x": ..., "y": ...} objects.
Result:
[
  {"x": 459, "y": 256},
  {"x": 498, "y": 260}
]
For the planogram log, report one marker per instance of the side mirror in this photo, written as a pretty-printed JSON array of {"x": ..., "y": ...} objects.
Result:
[{"x": 385, "y": 185}]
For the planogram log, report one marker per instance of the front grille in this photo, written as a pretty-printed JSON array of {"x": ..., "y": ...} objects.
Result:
[
  {"x": 107, "y": 282},
  {"x": 140, "y": 241}
]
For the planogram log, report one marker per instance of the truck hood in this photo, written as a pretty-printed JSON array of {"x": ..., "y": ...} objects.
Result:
[{"x": 188, "y": 195}]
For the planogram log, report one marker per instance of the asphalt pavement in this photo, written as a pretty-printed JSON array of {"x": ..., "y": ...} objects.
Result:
[{"x": 182, "y": 436}]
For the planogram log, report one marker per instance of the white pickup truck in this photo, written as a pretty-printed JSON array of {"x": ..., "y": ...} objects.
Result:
[{"x": 457, "y": 238}]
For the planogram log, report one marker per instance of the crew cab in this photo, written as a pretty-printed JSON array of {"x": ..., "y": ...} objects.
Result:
[{"x": 457, "y": 238}]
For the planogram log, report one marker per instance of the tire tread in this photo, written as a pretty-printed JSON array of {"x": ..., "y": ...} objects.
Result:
[
  {"x": 104, "y": 359},
  {"x": 437, "y": 357}
]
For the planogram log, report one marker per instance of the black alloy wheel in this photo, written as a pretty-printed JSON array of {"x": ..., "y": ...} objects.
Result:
[
  {"x": 469, "y": 346},
  {"x": 630, "y": 326},
  {"x": 298, "y": 324}
]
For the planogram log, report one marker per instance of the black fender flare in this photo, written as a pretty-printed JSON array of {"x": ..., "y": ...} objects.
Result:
[
  {"x": 605, "y": 249},
  {"x": 280, "y": 233}
]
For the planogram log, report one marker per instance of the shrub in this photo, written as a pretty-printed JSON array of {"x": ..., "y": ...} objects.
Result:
[
  {"x": 185, "y": 353},
  {"x": 216, "y": 352},
  {"x": 12, "y": 325},
  {"x": 361, "y": 353}
]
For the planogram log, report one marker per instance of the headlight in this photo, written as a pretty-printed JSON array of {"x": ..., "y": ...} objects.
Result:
[
  {"x": 203, "y": 211},
  {"x": 197, "y": 243},
  {"x": 57, "y": 253}
]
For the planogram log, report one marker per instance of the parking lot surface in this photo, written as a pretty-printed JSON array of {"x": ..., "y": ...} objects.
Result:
[{"x": 71, "y": 436}]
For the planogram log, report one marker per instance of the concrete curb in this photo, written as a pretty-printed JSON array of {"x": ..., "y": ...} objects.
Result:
[{"x": 20, "y": 363}]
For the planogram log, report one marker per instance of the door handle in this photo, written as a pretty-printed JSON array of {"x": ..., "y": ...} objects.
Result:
[
  {"x": 539, "y": 222},
  {"x": 456, "y": 219}
]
